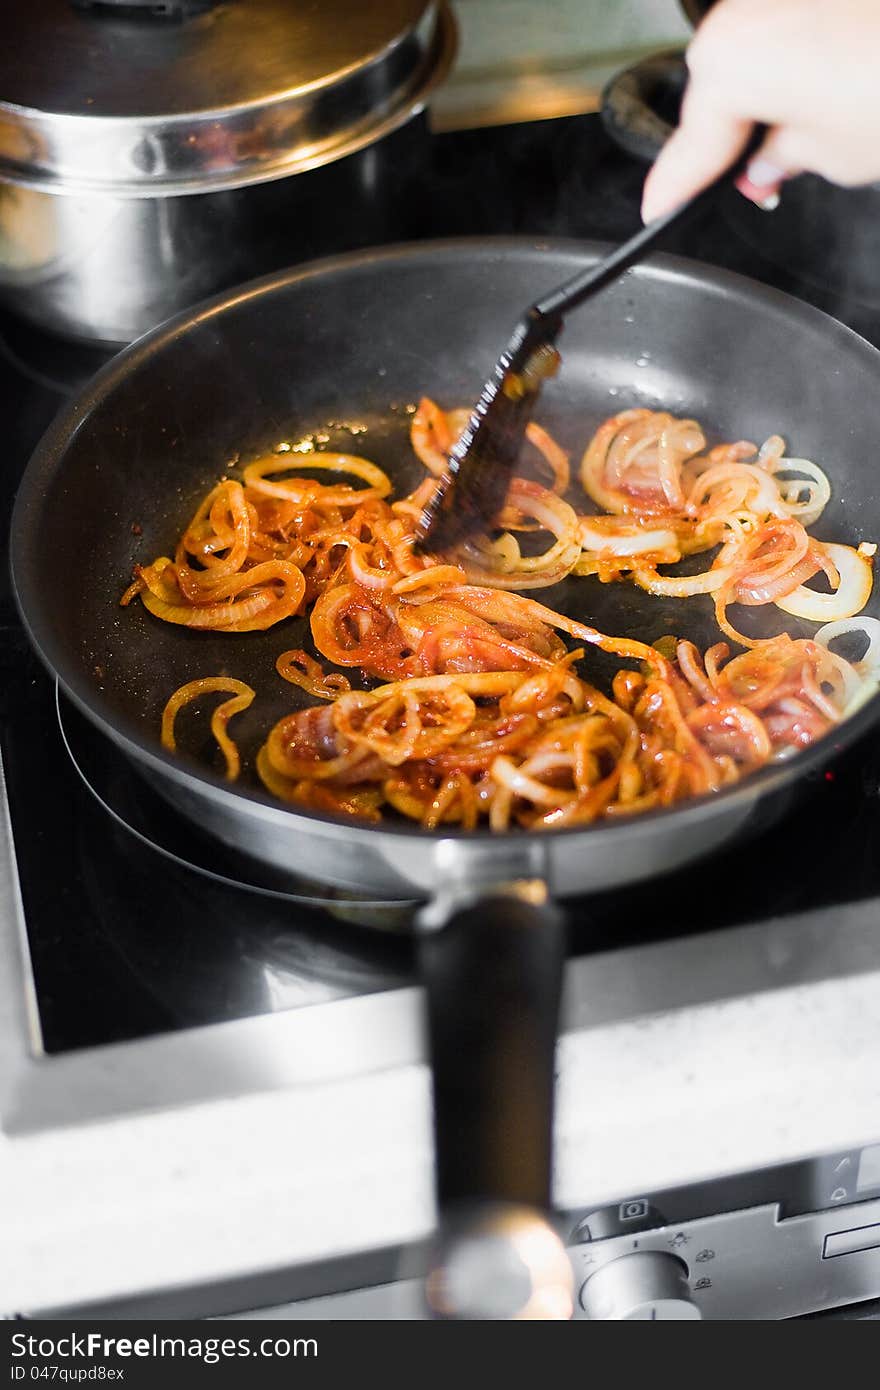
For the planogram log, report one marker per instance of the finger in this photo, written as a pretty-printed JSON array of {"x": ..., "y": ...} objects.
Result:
[
  {"x": 761, "y": 182},
  {"x": 707, "y": 142},
  {"x": 766, "y": 172}
]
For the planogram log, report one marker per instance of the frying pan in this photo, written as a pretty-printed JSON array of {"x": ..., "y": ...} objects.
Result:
[{"x": 345, "y": 344}]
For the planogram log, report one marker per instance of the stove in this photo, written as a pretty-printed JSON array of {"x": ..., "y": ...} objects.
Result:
[{"x": 213, "y": 1088}]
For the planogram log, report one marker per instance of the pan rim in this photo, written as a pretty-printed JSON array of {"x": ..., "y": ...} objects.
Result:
[{"x": 50, "y": 450}]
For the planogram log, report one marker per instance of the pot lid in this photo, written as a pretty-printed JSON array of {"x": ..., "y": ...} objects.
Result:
[{"x": 181, "y": 96}]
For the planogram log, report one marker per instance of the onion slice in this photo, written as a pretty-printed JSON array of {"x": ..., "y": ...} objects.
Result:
[
  {"x": 613, "y": 535},
  {"x": 868, "y": 663},
  {"x": 850, "y": 596},
  {"x": 683, "y": 585},
  {"x": 378, "y": 484},
  {"x": 243, "y": 696},
  {"x": 505, "y": 567},
  {"x": 858, "y": 679},
  {"x": 807, "y": 509}
]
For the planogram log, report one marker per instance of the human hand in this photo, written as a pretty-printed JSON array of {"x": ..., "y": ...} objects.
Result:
[{"x": 807, "y": 69}]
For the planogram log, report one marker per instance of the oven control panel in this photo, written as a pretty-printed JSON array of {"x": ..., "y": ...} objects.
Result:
[{"x": 749, "y": 1264}]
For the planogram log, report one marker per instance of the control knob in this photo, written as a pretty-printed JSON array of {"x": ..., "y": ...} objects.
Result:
[{"x": 645, "y": 1284}]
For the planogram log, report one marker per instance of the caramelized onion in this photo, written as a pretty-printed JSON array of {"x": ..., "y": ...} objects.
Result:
[
  {"x": 301, "y": 669},
  {"x": 484, "y": 714},
  {"x": 194, "y": 690},
  {"x": 303, "y": 490},
  {"x": 868, "y": 663},
  {"x": 612, "y": 535},
  {"x": 849, "y": 597},
  {"x": 254, "y": 599},
  {"x": 517, "y": 571}
]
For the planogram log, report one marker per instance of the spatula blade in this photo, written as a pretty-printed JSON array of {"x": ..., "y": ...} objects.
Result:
[{"x": 473, "y": 489}]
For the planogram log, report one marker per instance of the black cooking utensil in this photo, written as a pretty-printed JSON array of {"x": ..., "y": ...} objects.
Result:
[{"x": 481, "y": 462}]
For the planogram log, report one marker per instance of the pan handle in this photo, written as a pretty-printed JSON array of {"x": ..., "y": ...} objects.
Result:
[{"x": 492, "y": 966}]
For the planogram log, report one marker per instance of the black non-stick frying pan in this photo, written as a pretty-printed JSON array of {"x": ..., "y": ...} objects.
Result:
[{"x": 350, "y": 343}]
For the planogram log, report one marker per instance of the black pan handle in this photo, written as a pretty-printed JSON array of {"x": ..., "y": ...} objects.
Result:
[{"x": 493, "y": 974}]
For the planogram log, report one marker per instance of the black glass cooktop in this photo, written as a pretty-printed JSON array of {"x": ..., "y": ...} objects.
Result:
[{"x": 125, "y": 940}]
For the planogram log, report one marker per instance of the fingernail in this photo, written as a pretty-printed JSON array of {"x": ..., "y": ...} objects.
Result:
[
  {"x": 652, "y": 207},
  {"x": 762, "y": 173},
  {"x": 761, "y": 195}
]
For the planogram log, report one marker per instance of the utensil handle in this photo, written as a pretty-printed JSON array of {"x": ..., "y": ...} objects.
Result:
[
  {"x": 493, "y": 974},
  {"x": 556, "y": 305}
]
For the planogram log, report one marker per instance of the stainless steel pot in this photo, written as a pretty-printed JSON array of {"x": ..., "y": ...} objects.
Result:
[{"x": 147, "y": 160}]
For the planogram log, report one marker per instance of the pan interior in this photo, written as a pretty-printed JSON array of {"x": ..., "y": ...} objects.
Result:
[{"x": 340, "y": 355}]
